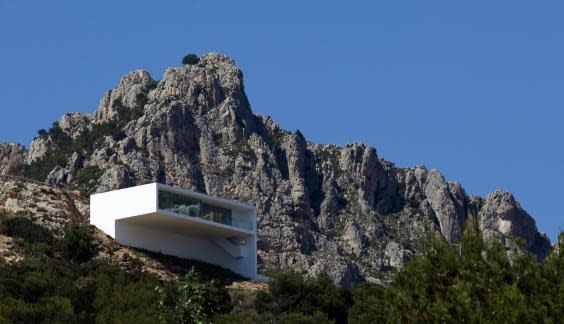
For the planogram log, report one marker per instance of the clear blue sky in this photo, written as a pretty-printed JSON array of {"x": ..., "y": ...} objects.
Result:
[{"x": 472, "y": 88}]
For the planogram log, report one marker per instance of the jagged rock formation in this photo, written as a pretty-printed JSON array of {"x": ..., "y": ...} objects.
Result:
[
  {"x": 12, "y": 157},
  {"x": 50, "y": 207},
  {"x": 501, "y": 216},
  {"x": 341, "y": 210}
]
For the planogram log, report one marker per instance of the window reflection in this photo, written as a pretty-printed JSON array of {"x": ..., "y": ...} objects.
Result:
[
  {"x": 216, "y": 214},
  {"x": 181, "y": 204},
  {"x": 184, "y": 205}
]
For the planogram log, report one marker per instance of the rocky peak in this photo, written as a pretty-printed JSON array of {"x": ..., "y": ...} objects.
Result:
[
  {"x": 37, "y": 149},
  {"x": 447, "y": 202},
  {"x": 296, "y": 150},
  {"x": 12, "y": 157},
  {"x": 375, "y": 185},
  {"x": 130, "y": 92},
  {"x": 502, "y": 217},
  {"x": 212, "y": 88},
  {"x": 74, "y": 123},
  {"x": 340, "y": 210}
]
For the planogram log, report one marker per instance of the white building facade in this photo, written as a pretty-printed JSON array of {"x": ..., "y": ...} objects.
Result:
[{"x": 179, "y": 222}]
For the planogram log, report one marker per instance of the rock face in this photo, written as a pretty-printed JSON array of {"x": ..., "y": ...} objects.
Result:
[
  {"x": 339, "y": 210},
  {"x": 396, "y": 255},
  {"x": 127, "y": 93},
  {"x": 74, "y": 123},
  {"x": 447, "y": 201},
  {"x": 502, "y": 217},
  {"x": 50, "y": 207},
  {"x": 12, "y": 157}
]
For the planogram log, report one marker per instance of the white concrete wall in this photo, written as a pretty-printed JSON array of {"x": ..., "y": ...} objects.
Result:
[
  {"x": 114, "y": 212},
  {"x": 251, "y": 243},
  {"x": 195, "y": 246},
  {"x": 106, "y": 207}
]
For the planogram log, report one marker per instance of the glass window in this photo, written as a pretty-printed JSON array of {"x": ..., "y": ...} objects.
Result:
[
  {"x": 184, "y": 205},
  {"x": 217, "y": 214},
  {"x": 164, "y": 200},
  {"x": 179, "y": 203}
]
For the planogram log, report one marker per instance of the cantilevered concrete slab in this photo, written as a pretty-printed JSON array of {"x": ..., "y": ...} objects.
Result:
[{"x": 180, "y": 222}]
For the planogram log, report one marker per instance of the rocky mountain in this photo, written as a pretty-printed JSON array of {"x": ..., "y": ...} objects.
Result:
[{"x": 340, "y": 210}]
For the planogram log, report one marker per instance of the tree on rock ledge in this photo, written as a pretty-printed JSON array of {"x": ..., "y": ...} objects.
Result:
[{"x": 190, "y": 59}]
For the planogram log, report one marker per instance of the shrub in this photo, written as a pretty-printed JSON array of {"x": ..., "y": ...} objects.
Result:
[
  {"x": 195, "y": 302},
  {"x": 40, "y": 169},
  {"x": 42, "y": 133},
  {"x": 78, "y": 243},
  {"x": 26, "y": 229},
  {"x": 120, "y": 135},
  {"x": 141, "y": 99},
  {"x": 368, "y": 304},
  {"x": 300, "y": 318},
  {"x": 59, "y": 137},
  {"x": 190, "y": 59},
  {"x": 87, "y": 178},
  {"x": 291, "y": 292},
  {"x": 241, "y": 318},
  {"x": 47, "y": 290},
  {"x": 112, "y": 295}
]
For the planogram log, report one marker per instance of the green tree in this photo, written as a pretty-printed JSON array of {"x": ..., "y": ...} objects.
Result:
[
  {"x": 190, "y": 59},
  {"x": 41, "y": 289},
  {"x": 193, "y": 301},
  {"x": 112, "y": 295},
  {"x": 548, "y": 288},
  {"x": 42, "y": 133},
  {"x": 291, "y": 292},
  {"x": 368, "y": 304},
  {"x": 473, "y": 282}
]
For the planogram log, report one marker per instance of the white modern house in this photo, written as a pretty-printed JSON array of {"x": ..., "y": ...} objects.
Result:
[{"x": 180, "y": 222}]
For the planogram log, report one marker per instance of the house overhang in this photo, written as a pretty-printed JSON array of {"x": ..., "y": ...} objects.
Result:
[{"x": 186, "y": 225}]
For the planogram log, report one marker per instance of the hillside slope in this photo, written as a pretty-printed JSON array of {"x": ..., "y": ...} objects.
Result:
[
  {"x": 55, "y": 208},
  {"x": 321, "y": 208}
]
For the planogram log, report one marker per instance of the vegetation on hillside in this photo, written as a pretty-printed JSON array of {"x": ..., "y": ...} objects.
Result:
[
  {"x": 473, "y": 283},
  {"x": 63, "y": 145},
  {"x": 192, "y": 301},
  {"x": 60, "y": 280},
  {"x": 87, "y": 180}
]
